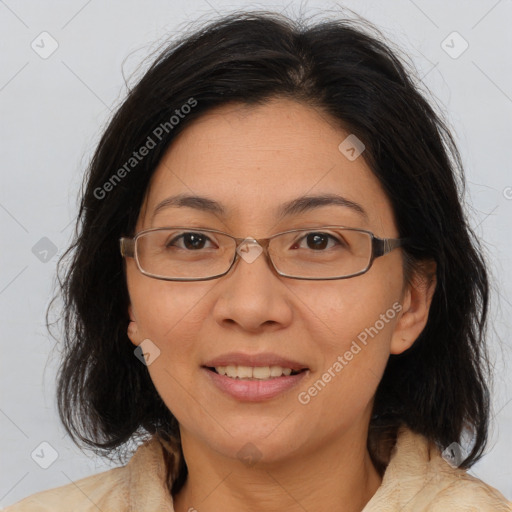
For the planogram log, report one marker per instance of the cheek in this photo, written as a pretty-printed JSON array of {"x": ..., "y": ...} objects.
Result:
[
  {"x": 170, "y": 315},
  {"x": 355, "y": 351},
  {"x": 352, "y": 324},
  {"x": 162, "y": 309},
  {"x": 341, "y": 311}
]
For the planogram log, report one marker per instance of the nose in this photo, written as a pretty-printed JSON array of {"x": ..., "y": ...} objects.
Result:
[{"x": 252, "y": 295}]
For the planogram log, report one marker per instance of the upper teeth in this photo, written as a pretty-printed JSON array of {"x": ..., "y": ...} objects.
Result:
[{"x": 256, "y": 372}]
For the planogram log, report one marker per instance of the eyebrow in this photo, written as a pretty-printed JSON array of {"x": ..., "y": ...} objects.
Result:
[{"x": 293, "y": 207}]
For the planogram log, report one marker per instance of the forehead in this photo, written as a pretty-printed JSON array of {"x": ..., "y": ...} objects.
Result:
[{"x": 253, "y": 159}]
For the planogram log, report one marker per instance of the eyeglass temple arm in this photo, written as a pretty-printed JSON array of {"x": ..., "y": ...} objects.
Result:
[
  {"x": 382, "y": 246},
  {"x": 127, "y": 247}
]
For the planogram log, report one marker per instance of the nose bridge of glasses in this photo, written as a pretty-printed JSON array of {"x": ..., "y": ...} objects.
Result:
[
  {"x": 249, "y": 240},
  {"x": 249, "y": 248}
]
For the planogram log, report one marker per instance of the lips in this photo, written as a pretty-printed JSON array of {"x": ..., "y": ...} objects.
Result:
[
  {"x": 262, "y": 359},
  {"x": 254, "y": 390}
]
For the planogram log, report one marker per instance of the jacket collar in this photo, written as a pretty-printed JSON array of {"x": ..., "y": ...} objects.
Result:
[{"x": 415, "y": 479}]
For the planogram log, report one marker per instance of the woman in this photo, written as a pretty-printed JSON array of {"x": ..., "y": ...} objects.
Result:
[{"x": 275, "y": 288}]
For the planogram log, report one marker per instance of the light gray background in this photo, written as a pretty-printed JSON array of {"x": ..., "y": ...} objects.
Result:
[{"x": 52, "y": 113}]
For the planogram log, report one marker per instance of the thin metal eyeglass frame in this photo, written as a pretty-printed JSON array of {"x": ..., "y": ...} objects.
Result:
[{"x": 379, "y": 247}]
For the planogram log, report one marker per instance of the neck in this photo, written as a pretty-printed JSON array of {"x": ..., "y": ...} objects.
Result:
[{"x": 338, "y": 474}]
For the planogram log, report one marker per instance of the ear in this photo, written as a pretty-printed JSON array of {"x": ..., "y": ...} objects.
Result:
[
  {"x": 133, "y": 331},
  {"x": 416, "y": 302}
]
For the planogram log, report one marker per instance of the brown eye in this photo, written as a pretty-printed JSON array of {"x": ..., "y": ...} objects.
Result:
[
  {"x": 319, "y": 241},
  {"x": 191, "y": 241}
]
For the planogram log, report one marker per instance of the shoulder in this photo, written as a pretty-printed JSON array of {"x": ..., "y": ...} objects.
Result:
[
  {"x": 116, "y": 489},
  {"x": 465, "y": 492},
  {"x": 454, "y": 488},
  {"x": 90, "y": 493},
  {"x": 418, "y": 479}
]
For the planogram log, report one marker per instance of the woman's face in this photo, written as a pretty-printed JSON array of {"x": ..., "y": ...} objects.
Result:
[{"x": 252, "y": 160}]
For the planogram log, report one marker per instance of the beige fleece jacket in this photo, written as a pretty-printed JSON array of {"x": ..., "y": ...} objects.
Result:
[{"x": 417, "y": 479}]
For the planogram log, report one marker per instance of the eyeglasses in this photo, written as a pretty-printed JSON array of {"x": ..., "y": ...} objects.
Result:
[{"x": 196, "y": 254}]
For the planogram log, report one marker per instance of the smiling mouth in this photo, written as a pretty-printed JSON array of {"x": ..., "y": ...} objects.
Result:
[{"x": 254, "y": 372}]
